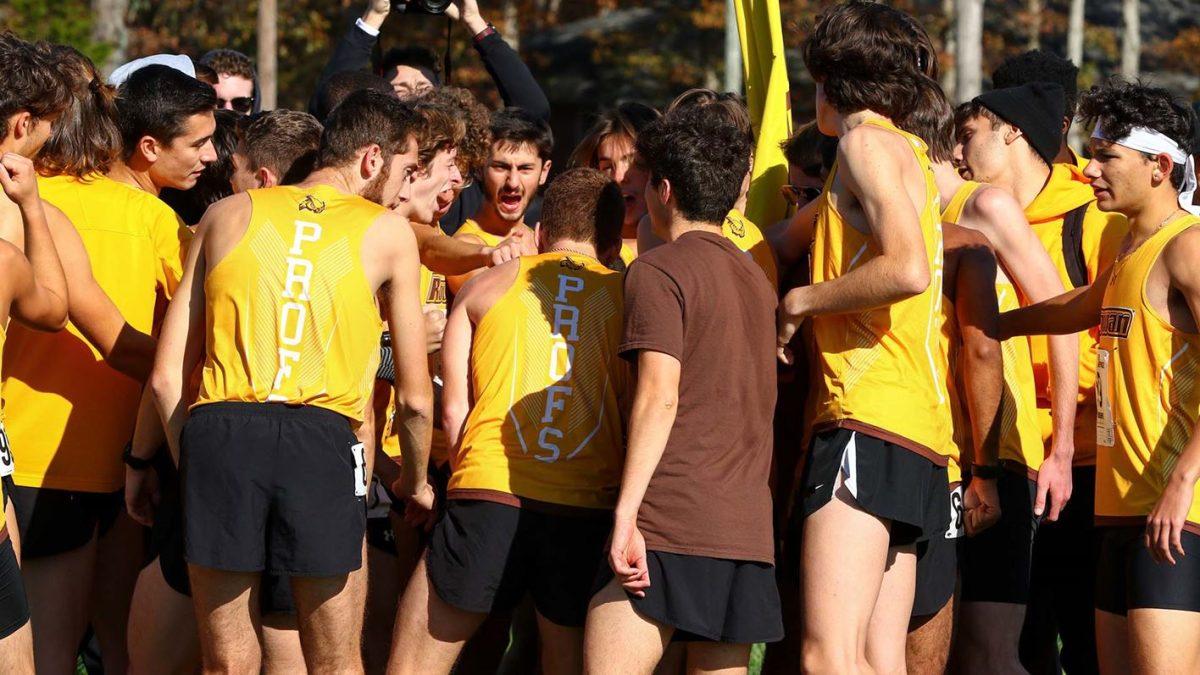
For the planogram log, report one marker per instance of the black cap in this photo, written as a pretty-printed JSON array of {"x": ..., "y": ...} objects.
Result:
[{"x": 1036, "y": 109}]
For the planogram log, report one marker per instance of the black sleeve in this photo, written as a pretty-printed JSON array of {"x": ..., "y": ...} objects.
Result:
[
  {"x": 512, "y": 77},
  {"x": 352, "y": 52}
]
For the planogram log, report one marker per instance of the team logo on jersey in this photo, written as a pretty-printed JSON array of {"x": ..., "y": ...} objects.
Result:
[
  {"x": 437, "y": 291},
  {"x": 736, "y": 225},
  {"x": 570, "y": 264},
  {"x": 313, "y": 204},
  {"x": 1115, "y": 322}
]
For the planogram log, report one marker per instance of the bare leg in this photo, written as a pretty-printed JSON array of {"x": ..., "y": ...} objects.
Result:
[
  {"x": 717, "y": 658},
  {"x": 227, "y": 619},
  {"x": 14, "y": 531},
  {"x": 429, "y": 632},
  {"x": 119, "y": 557},
  {"x": 58, "y": 588},
  {"x": 617, "y": 639},
  {"x": 384, "y": 586},
  {"x": 929, "y": 638},
  {"x": 562, "y": 647},
  {"x": 888, "y": 630},
  {"x": 1112, "y": 643},
  {"x": 843, "y": 557},
  {"x": 329, "y": 612},
  {"x": 990, "y": 637},
  {"x": 162, "y": 624},
  {"x": 16, "y": 652},
  {"x": 282, "y": 651},
  {"x": 1164, "y": 641}
]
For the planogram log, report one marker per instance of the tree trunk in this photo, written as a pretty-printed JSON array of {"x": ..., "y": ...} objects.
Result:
[
  {"x": 1035, "y": 24},
  {"x": 108, "y": 27},
  {"x": 970, "y": 49},
  {"x": 950, "y": 40},
  {"x": 733, "y": 51},
  {"x": 1075, "y": 54},
  {"x": 268, "y": 82},
  {"x": 512, "y": 28},
  {"x": 1131, "y": 40}
]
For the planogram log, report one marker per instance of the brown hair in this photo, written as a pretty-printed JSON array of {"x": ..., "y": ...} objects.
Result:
[
  {"x": 866, "y": 55},
  {"x": 367, "y": 118},
  {"x": 230, "y": 62},
  {"x": 441, "y": 130},
  {"x": 730, "y": 105},
  {"x": 627, "y": 119},
  {"x": 810, "y": 150},
  {"x": 931, "y": 120},
  {"x": 284, "y": 141},
  {"x": 476, "y": 145},
  {"x": 86, "y": 139},
  {"x": 28, "y": 82},
  {"x": 583, "y": 204},
  {"x": 972, "y": 109}
]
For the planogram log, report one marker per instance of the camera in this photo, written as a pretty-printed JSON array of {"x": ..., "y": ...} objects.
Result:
[{"x": 431, "y": 7}]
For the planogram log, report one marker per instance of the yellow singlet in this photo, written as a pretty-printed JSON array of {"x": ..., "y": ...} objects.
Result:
[
  {"x": 472, "y": 228},
  {"x": 1020, "y": 432},
  {"x": 3, "y": 436},
  {"x": 291, "y": 317},
  {"x": 948, "y": 363},
  {"x": 77, "y": 413},
  {"x": 1147, "y": 393},
  {"x": 878, "y": 367},
  {"x": 749, "y": 239},
  {"x": 627, "y": 255},
  {"x": 545, "y": 425}
]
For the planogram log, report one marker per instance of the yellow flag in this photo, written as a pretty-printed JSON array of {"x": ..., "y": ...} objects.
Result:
[{"x": 766, "y": 79}]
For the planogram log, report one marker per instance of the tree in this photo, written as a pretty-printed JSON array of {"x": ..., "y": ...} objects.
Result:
[
  {"x": 1131, "y": 39},
  {"x": 268, "y": 86},
  {"x": 970, "y": 49},
  {"x": 108, "y": 27}
]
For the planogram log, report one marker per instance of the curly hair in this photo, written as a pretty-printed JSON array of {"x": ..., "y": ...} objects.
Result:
[
  {"x": 476, "y": 144},
  {"x": 441, "y": 130},
  {"x": 230, "y": 62},
  {"x": 728, "y": 104},
  {"x": 29, "y": 82},
  {"x": 86, "y": 140},
  {"x": 1037, "y": 65},
  {"x": 867, "y": 55},
  {"x": 1119, "y": 106},
  {"x": 705, "y": 157}
]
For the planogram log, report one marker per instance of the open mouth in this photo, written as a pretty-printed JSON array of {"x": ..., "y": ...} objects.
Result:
[{"x": 510, "y": 202}]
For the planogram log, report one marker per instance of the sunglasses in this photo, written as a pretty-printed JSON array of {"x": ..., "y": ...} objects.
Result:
[{"x": 241, "y": 104}]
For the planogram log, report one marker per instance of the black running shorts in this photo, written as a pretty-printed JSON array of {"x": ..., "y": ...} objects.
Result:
[
  {"x": 709, "y": 599},
  {"x": 58, "y": 521},
  {"x": 996, "y": 563},
  {"x": 1128, "y": 578},
  {"x": 486, "y": 556},
  {"x": 272, "y": 487},
  {"x": 937, "y": 562},
  {"x": 886, "y": 480}
]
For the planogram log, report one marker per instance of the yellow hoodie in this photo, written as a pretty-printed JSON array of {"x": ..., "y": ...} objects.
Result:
[{"x": 1066, "y": 190}]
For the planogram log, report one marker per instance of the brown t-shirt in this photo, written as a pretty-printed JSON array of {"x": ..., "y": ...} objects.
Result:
[{"x": 706, "y": 303}]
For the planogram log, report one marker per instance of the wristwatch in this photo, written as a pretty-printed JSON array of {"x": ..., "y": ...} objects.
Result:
[
  {"x": 135, "y": 463},
  {"x": 986, "y": 471}
]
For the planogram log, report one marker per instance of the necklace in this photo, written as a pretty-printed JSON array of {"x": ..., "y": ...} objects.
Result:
[
  {"x": 567, "y": 249},
  {"x": 1169, "y": 218}
]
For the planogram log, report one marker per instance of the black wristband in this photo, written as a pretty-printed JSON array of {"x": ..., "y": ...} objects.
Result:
[
  {"x": 986, "y": 471},
  {"x": 135, "y": 463}
]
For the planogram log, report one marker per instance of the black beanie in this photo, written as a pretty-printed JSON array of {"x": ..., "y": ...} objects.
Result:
[{"x": 1036, "y": 109}]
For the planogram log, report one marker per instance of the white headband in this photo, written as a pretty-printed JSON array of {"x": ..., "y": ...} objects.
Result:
[{"x": 1152, "y": 142}]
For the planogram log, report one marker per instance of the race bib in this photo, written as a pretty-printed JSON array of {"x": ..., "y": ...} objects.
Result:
[
  {"x": 7, "y": 465},
  {"x": 1106, "y": 434},
  {"x": 956, "y": 528},
  {"x": 360, "y": 469}
]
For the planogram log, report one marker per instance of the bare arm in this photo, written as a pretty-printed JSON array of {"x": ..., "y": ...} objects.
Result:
[
  {"x": 1164, "y": 527},
  {"x": 181, "y": 341},
  {"x": 1003, "y": 222},
  {"x": 456, "y": 355},
  {"x": 982, "y": 366},
  {"x": 1074, "y": 311},
  {"x": 455, "y": 256},
  {"x": 791, "y": 240},
  {"x": 414, "y": 390},
  {"x": 41, "y": 303}
]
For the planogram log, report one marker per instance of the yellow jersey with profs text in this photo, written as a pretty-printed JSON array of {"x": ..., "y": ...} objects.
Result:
[
  {"x": 545, "y": 424},
  {"x": 291, "y": 315}
]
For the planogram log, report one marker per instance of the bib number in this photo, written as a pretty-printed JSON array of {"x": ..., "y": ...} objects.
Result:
[
  {"x": 7, "y": 465},
  {"x": 360, "y": 469},
  {"x": 956, "y": 528},
  {"x": 1105, "y": 428}
]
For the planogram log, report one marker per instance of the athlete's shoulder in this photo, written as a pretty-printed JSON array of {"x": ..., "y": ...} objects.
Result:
[
  {"x": 1184, "y": 247},
  {"x": 481, "y": 291},
  {"x": 866, "y": 140},
  {"x": 992, "y": 207}
]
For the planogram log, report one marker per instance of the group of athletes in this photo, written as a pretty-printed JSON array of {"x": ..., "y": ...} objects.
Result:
[{"x": 350, "y": 390}]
